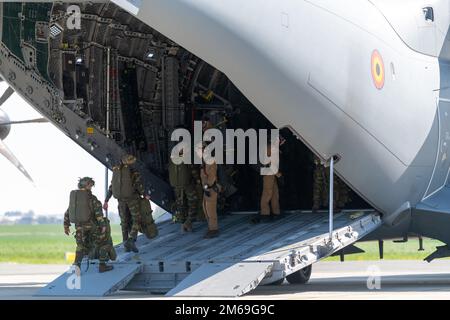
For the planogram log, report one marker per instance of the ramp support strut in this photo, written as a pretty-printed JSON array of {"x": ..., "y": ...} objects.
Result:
[{"x": 330, "y": 198}]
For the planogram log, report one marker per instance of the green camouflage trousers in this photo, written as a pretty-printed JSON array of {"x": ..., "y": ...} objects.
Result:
[
  {"x": 321, "y": 189},
  {"x": 88, "y": 237},
  {"x": 129, "y": 212},
  {"x": 342, "y": 193},
  {"x": 186, "y": 202},
  {"x": 104, "y": 248}
]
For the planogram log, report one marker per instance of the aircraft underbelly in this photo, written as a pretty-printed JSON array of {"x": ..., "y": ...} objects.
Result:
[{"x": 441, "y": 170}]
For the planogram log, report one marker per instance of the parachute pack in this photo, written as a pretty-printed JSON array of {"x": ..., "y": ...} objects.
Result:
[
  {"x": 79, "y": 207},
  {"x": 122, "y": 183}
]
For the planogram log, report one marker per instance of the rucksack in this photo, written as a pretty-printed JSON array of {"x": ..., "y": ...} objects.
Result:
[
  {"x": 122, "y": 183},
  {"x": 79, "y": 207}
]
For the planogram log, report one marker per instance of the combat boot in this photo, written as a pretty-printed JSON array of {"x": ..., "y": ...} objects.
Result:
[
  {"x": 103, "y": 267},
  {"x": 261, "y": 219},
  {"x": 256, "y": 219},
  {"x": 78, "y": 259},
  {"x": 275, "y": 217},
  {"x": 336, "y": 209},
  {"x": 130, "y": 245},
  {"x": 126, "y": 246},
  {"x": 211, "y": 234},
  {"x": 187, "y": 226}
]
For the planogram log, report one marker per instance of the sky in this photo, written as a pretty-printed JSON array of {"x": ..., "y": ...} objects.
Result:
[{"x": 53, "y": 160}]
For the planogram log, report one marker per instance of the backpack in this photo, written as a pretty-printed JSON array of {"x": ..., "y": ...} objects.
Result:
[
  {"x": 79, "y": 207},
  {"x": 122, "y": 183}
]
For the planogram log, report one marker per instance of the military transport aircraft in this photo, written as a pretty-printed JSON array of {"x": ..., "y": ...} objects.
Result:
[{"x": 362, "y": 84}]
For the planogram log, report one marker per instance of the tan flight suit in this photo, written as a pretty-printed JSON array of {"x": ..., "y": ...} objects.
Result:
[
  {"x": 208, "y": 175},
  {"x": 270, "y": 197}
]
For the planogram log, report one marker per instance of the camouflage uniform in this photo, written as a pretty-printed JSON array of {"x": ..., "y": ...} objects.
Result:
[
  {"x": 88, "y": 235},
  {"x": 342, "y": 193},
  {"x": 200, "y": 216},
  {"x": 321, "y": 188},
  {"x": 182, "y": 180},
  {"x": 104, "y": 246},
  {"x": 225, "y": 175},
  {"x": 129, "y": 209}
]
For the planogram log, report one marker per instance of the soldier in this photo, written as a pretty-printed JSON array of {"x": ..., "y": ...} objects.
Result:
[
  {"x": 320, "y": 191},
  {"x": 200, "y": 216},
  {"x": 128, "y": 189},
  {"x": 85, "y": 211},
  {"x": 104, "y": 245},
  {"x": 270, "y": 199},
  {"x": 342, "y": 194},
  {"x": 181, "y": 179},
  {"x": 225, "y": 175},
  {"x": 211, "y": 189}
]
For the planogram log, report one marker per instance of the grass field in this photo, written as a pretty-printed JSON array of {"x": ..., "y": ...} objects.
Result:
[
  {"x": 38, "y": 244},
  {"x": 393, "y": 251},
  {"x": 47, "y": 244}
]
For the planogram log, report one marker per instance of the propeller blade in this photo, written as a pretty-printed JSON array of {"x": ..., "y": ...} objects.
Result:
[
  {"x": 40, "y": 120},
  {"x": 4, "y": 150},
  {"x": 8, "y": 93}
]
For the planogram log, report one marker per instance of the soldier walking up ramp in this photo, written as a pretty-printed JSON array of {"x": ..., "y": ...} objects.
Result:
[{"x": 241, "y": 258}]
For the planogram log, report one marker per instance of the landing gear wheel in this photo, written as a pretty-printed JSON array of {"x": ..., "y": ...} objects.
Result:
[
  {"x": 301, "y": 276},
  {"x": 277, "y": 283}
]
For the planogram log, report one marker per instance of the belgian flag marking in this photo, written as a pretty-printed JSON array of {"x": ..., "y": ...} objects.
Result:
[{"x": 378, "y": 71}]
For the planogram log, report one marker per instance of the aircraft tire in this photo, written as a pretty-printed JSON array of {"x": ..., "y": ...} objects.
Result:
[{"x": 301, "y": 276}]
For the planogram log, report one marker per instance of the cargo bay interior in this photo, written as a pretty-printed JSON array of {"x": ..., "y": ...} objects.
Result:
[{"x": 135, "y": 86}]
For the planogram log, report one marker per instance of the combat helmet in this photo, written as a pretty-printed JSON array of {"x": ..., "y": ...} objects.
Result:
[{"x": 84, "y": 182}]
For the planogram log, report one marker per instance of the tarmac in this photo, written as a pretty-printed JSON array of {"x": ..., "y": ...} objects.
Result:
[{"x": 356, "y": 280}]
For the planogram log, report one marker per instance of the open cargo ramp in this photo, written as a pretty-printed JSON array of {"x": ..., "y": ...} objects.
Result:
[
  {"x": 241, "y": 258},
  {"x": 273, "y": 251}
]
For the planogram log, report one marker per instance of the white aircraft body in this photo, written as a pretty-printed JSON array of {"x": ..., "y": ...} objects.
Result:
[{"x": 363, "y": 82}]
